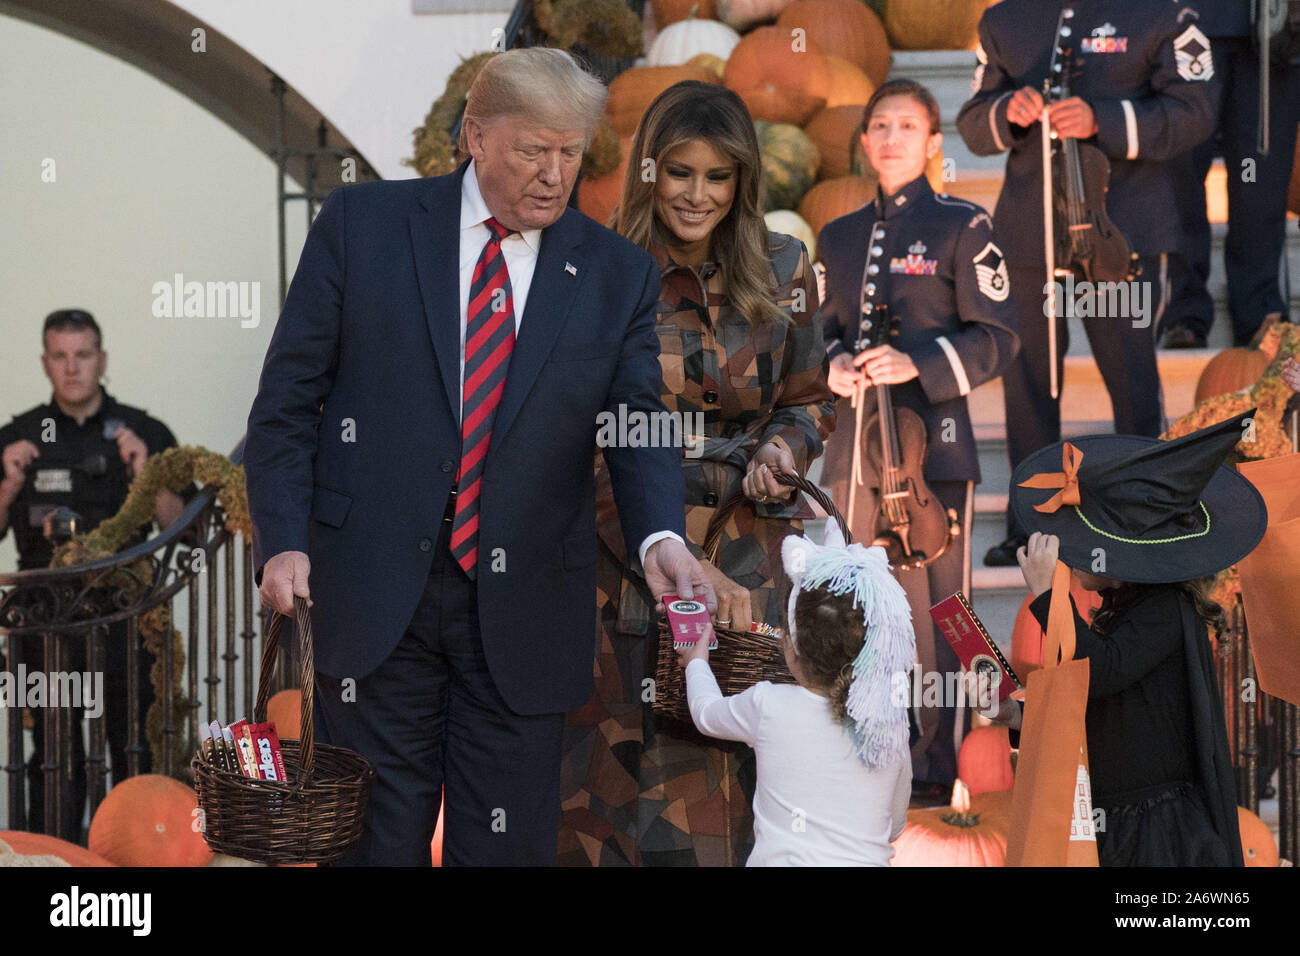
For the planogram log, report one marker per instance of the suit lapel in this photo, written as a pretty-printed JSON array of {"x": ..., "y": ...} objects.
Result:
[
  {"x": 437, "y": 268},
  {"x": 550, "y": 297}
]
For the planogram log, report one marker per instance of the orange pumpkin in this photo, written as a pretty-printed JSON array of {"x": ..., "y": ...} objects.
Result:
[
  {"x": 971, "y": 832},
  {"x": 832, "y": 130},
  {"x": 149, "y": 820},
  {"x": 1027, "y": 636},
  {"x": 38, "y": 844},
  {"x": 633, "y": 90},
  {"x": 285, "y": 711},
  {"x": 780, "y": 104},
  {"x": 850, "y": 86},
  {"x": 1257, "y": 843},
  {"x": 846, "y": 28},
  {"x": 766, "y": 56},
  {"x": 984, "y": 761},
  {"x": 832, "y": 198},
  {"x": 598, "y": 196},
  {"x": 671, "y": 11},
  {"x": 1230, "y": 371},
  {"x": 934, "y": 24}
]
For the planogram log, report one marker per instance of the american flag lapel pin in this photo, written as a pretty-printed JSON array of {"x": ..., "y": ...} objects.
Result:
[{"x": 570, "y": 268}]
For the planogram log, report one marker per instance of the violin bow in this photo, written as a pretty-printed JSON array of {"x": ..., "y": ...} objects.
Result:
[{"x": 1049, "y": 240}]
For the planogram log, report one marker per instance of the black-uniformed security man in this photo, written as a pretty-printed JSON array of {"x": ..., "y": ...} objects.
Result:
[
  {"x": 1254, "y": 249},
  {"x": 80, "y": 450},
  {"x": 932, "y": 259},
  {"x": 1139, "y": 79}
]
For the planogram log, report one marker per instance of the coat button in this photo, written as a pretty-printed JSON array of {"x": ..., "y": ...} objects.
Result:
[
  {"x": 876, "y": 250},
  {"x": 870, "y": 289},
  {"x": 710, "y": 395},
  {"x": 873, "y": 269},
  {"x": 426, "y": 544},
  {"x": 710, "y": 499},
  {"x": 447, "y": 466}
]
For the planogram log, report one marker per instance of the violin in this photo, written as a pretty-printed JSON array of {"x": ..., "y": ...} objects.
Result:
[
  {"x": 1085, "y": 239},
  {"x": 908, "y": 521}
]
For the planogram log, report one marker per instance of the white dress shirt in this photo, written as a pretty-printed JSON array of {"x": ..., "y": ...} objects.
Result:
[{"x": 520, "y": 252}]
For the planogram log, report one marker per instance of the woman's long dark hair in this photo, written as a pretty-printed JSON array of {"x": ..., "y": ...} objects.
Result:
[{"x": 1115, "y": 602}]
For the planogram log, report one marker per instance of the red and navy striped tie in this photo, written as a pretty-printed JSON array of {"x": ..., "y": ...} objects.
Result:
[{"x": 489, "y": 340}]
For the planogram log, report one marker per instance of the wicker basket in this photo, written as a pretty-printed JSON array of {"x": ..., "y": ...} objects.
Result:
[
  {"x": 313, "y": 816},
  {"x": 743, "y": 658}
]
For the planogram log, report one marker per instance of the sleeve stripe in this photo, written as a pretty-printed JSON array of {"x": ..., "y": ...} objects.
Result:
[
  {"x": 1130, "y": 129},
  {"x": 958, "y": 370},
  {"x": 993, "y": 120}
]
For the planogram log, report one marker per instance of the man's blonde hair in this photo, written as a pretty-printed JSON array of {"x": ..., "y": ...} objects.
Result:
[{"x": 544, "y": 85}]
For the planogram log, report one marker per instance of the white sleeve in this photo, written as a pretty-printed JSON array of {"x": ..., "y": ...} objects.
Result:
[
  {"x": 902, "y": 797},
  {"x": 729, "y": 718}
]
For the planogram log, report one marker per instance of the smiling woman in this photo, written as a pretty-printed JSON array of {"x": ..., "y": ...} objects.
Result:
[{"x": 741, "y": 353}]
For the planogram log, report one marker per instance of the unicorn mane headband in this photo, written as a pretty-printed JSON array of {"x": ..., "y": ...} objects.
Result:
[{"x": 889, "y": 646}]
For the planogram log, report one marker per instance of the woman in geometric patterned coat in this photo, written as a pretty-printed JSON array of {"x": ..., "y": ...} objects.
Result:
[{"x": 740, "y": 342}]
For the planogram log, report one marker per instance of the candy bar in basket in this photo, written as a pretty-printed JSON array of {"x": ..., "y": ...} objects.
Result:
[{"x": 970, "y": 639}]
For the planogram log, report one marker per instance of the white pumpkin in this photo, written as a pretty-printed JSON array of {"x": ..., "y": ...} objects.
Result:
[
  {"x": 792, "y": 224},
  {"x": 680, "y": 41}
]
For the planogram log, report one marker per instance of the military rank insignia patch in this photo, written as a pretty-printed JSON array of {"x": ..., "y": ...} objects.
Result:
[
  {"x": 991, "y": 273},
  {"x": 1192, "y": 55}
]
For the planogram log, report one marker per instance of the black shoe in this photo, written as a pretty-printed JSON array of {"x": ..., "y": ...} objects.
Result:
[
  {"x": 1181, "y": 337},
  {"x": 1004, "y": 555}
]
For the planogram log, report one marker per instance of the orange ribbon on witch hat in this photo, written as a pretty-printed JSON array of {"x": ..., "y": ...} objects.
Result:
[{"x": 1067, "y": 480}]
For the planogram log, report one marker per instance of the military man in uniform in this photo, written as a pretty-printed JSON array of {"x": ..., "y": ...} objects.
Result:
[
  {"x": 1254, "y": 250},
  {"x": 1139, "y": 73},
  {"x": 933, "y": 260}
]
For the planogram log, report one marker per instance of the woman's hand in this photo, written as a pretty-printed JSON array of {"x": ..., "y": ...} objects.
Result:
[
  {"x": 842, "y": 377},
  {"x": 700, "y": 650},
  {"x": 734, "y": 610},
  {"x": 760, "y": 482},
  {"x": 1038, "y": 561},
  {"x": 885, "y": 365}
]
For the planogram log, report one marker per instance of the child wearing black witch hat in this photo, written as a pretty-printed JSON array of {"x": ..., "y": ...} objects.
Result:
[{"x": 1145, "y": 522}]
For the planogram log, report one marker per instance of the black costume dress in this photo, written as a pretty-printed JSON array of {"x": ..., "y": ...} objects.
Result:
[{"x": 1157, "y": 742}]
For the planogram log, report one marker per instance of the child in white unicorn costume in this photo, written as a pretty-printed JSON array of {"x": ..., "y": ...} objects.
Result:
[{"x": 834, "y": 770}]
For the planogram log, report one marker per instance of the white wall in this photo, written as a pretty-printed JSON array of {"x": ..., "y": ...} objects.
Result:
[
  {"x": 372, "y": 66},
  {"x": 147, "y": 185}
]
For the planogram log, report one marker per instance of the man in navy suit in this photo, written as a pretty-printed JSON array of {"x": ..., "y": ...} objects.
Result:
[{"x": 421, "y": 445}]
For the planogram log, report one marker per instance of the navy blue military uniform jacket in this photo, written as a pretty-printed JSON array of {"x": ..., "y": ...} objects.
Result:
[
  {"x": 1144, "y": 66},
  {"x": 932, "y": 259}
]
